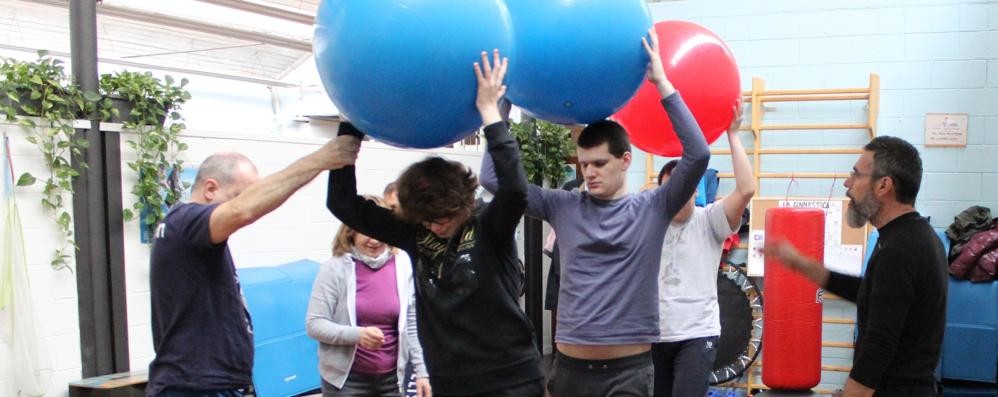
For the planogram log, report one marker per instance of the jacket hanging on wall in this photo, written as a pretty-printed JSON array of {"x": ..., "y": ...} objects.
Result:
[
  {"x": 977, "y": 259},
  {"x": 971, "y": 221}
]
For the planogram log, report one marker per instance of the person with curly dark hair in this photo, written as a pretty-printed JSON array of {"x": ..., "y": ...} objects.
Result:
[
  {"x": 436, "y": 192},
  {"x": 476, "y": 340}
]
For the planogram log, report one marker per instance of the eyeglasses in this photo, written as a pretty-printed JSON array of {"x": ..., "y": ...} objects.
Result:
[
  {"x": 439, "y": 222},
  {"x": 856, "y": 174}
]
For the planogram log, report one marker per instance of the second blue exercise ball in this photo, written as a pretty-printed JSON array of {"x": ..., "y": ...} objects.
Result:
[
  {"x": 577, "y": 61},
  {"x": 401, "y": 70}
]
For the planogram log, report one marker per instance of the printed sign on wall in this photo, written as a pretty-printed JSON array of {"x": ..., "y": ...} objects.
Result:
[{"x": 946, "y": 129}]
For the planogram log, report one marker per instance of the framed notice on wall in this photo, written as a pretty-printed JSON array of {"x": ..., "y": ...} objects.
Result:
[
  {"x": 946, "y": 129},
  {"x": 844, "y": 245}
]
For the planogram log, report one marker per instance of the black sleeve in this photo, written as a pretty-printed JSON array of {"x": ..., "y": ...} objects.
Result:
[
  {"x": 500, "y": 217},
  {"x": 890, "y": 300},
  {"x": 843, "y": 285},
  {"x": 363, "y": 215}
]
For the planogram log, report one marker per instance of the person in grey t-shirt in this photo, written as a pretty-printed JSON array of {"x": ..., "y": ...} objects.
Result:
[
  {"x": 687, "y": 298},
  {"x": 611, "y": 243}
]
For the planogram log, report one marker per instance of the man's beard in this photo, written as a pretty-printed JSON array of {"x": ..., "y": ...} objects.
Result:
[{"x": 862, "y": 211}]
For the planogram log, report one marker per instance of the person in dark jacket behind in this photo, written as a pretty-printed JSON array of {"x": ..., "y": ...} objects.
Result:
[
  {"x": 476, "y": 340},
  {"x": 901, "y": 300}
]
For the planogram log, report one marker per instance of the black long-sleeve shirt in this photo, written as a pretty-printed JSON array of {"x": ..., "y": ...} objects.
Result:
[
  {"x": 901, "y": 305},
  {"x": 475, "y": 337}
]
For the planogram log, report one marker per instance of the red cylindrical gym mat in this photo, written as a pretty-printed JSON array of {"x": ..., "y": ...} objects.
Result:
[{"x": 791, "y": 338}]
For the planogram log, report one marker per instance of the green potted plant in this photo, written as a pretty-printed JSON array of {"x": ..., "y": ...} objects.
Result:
[
  {"x": 40, "y": 97},
  {"x": 546, "y": 148},
  {"x": 157, "y": 146}
]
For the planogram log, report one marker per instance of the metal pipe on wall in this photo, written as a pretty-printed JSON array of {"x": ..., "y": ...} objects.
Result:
[{"x": 97, "y": 214}]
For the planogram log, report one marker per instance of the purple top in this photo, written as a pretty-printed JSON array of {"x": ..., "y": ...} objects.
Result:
[
  {"x": 611, "y": 249},
  {"x": 377, "y": 306}
]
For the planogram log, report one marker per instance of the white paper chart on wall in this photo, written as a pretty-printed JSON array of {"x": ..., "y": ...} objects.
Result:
[{"x": 839, "y": 257}]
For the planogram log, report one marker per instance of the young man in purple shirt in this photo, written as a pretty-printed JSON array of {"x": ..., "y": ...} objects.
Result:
[{"x": 611, "y": 242}]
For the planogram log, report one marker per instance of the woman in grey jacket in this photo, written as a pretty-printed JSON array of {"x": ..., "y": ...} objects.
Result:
[{"x": 361, "y": 312}]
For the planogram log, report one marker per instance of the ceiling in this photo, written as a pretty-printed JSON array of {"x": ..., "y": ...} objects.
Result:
[
  {"x": 225, "y": 38},
  {"x": 260, "y": 41}
]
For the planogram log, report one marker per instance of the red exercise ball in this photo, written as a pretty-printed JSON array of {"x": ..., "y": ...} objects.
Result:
[{"x": 703, "y": 70}]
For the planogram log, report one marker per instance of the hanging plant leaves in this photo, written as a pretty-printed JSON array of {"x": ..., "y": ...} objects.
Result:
[
  {"x": 545, "y": 148},
  {"x": 157, "y": 147},
  {"x": 42, "y": 89},
  {"x": 26, "y": 179}
]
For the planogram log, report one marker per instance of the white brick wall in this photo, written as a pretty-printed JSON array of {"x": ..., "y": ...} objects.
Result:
[{"x": 53, "y": 291}]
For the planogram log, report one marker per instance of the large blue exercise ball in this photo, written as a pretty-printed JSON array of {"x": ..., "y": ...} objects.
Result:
[
  {"x": 578, "y": 61},
  {"x": 401, "y": 70}
]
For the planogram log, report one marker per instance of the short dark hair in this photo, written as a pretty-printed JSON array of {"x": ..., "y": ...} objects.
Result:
[
  {"x": 667, "y": 170},
  {"x": 608, "y": 131},
  {"x": 436, "y": 188},
  {"x": 897, "y": 159}
]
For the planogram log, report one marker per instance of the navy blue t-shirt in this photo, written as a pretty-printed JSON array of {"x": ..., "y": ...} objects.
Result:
[{"x": 201, "y": 331}]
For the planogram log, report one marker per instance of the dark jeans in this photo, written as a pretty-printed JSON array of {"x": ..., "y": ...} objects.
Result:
[
  {"x": 625, "y": 376},
  {"x": 906, "y": 391},
  {"x": 683, "y": 368},
  {"x": 364, "y": 385},
  {"x": 171, "y": 392},
  {"x": 534, "y": 388}
]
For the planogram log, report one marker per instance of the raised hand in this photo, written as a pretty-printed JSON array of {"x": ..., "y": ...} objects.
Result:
[
  {"x": 736, "y": 121},
  {"x": 339, "y": 152},
  {"x": 656, "y": 72},
  {"x": 490, "y": 86}
]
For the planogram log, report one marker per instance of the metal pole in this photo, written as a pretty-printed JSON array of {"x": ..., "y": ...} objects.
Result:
[
  {"x": 533, "y": 245},
  {"x": 83, "y": 39},
  {"x": 533, "y": 239},
  {"x": 100, "y": 285},
  {"x": 115, "y": 240}
]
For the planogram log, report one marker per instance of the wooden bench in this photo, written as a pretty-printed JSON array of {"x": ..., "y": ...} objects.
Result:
[{"x": 124, "y": 384}]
